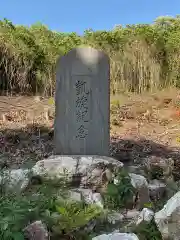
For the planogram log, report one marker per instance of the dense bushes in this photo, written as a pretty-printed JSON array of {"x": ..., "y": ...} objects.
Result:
[{"x": 143, "y": 57}]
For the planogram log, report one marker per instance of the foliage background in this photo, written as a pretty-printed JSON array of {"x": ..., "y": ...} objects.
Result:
[{"x": 143, "y": 56}]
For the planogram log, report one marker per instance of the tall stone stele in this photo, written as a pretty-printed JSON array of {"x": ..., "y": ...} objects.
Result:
[{"x": 82, "y": 103}]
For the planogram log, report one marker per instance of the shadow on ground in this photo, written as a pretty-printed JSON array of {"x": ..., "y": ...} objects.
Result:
[
  {"x": 129, "y": 150},
  {"x": 135, "y": 152},
  {"x": 24, "y": 147}
]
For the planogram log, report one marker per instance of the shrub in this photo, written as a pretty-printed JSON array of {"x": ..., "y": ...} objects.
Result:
[
  {"x": 143, "y": 57},
  {"x": 119, "y": 195}
]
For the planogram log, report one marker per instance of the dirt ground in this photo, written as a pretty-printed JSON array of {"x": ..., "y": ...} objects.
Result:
[{"x": 141, "y": 125}]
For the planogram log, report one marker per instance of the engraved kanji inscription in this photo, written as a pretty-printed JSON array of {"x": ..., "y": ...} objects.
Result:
[
  {"x": 82, "y": 107},
  {"x": 80, "y": 87},
  {"x": 81, "y": 132},
  {"x": 81, "y": 115},
  {"x": 82, "y": 102}
]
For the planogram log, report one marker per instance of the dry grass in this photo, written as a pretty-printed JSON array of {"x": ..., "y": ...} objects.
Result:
[
  {"x": 136, "y": 68},
  {"x": 25, "y": 130},
  {"x": 148, "y": 125},
  {"x": 141, "y": 125}
]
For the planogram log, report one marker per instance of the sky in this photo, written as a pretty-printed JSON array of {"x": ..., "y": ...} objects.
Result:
[{"x": 79, "y": 15}]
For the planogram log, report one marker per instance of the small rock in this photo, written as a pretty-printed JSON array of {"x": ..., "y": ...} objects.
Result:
[
  {"x": 75, "y": 195},
  {"x": 168, "y": 218},
  {"x": 16, "y": 179},
  {"x": 159, "y": 167},
  {"x": 87, "y": 195},
  {"x": 116, "y": 181},
  {"x": 140, "y": 183},
  {"x": 171, "y": 188},
  {"x": 36, "y": 231},
  {"x": 117, "y": 236},
  {"x": 157, "y": 189},
  {"x": 90, "y": 226},
  {"x": 132, "y": 214},
  {"x": 130, "y": 219},
  {"x": 137, "y": 169},
  {"x": 145, "y": 215},
  {"x": 115, "y": 217},
  {"x": 137, "y": 180},
  {"x": 133, "y": 169},
  {"x": 97, "y": 199}
]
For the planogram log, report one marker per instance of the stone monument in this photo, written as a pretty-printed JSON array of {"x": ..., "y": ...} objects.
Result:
[{"x": 82, "y": 102}]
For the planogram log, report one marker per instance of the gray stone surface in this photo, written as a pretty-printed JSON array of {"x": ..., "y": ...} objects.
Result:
[
  {"x": 86, "y": 169},
  {"x": 168, "y": 218},
  {"x": 141, "y": 185},
  {"x": 117, "y": 236},
  {"x": 36, "y": 231},
  {"x": 86, "y": 195},
  {"x": 157, "y": 189},
  {"x": 15, "y": 180},
  {"x": 145, "y": 215},
  {"x": 115, "y": 217},
  {"x": 82, "y": 103}
]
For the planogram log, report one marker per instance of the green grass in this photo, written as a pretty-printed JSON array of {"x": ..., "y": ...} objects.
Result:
[{"x": 45, "y": 202}]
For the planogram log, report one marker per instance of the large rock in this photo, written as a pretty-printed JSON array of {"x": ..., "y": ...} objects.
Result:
[
  {"x": 117, "y": 236},
  {"x": 168, "y": 218},
  {"x": 83, "y": 170}
]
